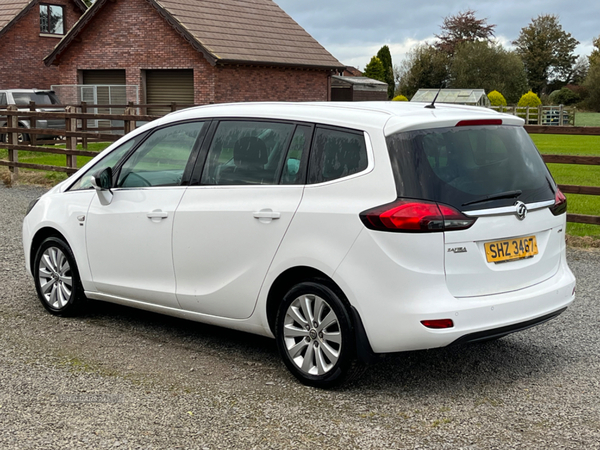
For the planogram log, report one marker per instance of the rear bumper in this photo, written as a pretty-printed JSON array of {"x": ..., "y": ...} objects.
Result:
[
  {"x": 392, "y": 300},
  {"x": 496, "y": 333}
]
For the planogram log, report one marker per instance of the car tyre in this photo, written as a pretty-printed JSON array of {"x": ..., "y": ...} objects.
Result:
[
  {"x": 57, "y": 279},
  {"x": 315, "y": 336}
]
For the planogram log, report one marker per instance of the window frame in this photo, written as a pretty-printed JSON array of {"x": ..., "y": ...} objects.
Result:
[
  {"x": 63, "y": 16},
  {"x": 202, "y": 157},
  {"x": 187, "y": 171},
  {"x": 311, "y": 166}
]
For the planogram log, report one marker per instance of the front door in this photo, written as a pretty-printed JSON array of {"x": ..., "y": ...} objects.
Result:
[{"x": 129, "y": 240}]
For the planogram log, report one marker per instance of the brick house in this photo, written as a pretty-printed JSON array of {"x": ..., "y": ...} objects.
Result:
[
  {"x": 29, "y": 30},
  {"x": 196, "y": 51}
]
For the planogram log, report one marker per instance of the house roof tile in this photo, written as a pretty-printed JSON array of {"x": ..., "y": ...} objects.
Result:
[{"x": 233, "y": 31}]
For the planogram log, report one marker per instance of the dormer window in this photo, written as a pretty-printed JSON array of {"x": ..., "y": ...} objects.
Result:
[{"x": 51, "y": 19}]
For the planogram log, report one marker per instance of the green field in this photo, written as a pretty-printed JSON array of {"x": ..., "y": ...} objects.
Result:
[
  {"x": 587, "y": 119},
  {"x": 43, "y": 177},
  {"x": 547, "y": 144},
  {"x": 555, "y": 144}
]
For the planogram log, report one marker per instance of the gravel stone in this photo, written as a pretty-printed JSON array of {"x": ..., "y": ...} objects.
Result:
[{"x": 121, "y": 378}]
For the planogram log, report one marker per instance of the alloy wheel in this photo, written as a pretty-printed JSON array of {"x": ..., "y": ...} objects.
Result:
[
  {"x": 312, "y": 334},
  {"x": 55, "y": 278}
]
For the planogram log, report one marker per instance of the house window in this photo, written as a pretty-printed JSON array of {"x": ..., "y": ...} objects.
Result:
[{"x": 51, "y": 19}]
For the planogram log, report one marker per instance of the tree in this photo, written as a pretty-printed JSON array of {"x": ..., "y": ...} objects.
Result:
[
  {"x": 496, "y": 99},
  {"x": 386, "y": 59},
  {"x": 530, "y": 99},
  {"x": 375, "y": 69},
  {"x": 463, "y": 27},
  {"x": 483, "y": 65},
  {"x": 547, "y": 52},
  {"x": 423, "y": 67},
  {"x": 592, "y": 83},
  {"x": 594, "y": 57}
]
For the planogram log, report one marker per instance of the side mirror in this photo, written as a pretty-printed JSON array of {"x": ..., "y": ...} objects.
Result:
[{"x": 102, "y": 182}]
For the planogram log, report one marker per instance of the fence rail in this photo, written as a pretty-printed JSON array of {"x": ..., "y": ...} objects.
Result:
[
  {"x": 76, "y": 130},
  {"x": 541, "y": 115}
]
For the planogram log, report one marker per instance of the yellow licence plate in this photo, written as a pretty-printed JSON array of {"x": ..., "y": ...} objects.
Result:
[{"x": 510, "y": 249}]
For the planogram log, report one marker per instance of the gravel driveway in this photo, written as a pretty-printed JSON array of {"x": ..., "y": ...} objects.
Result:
[{"x": 122, "y": 378}]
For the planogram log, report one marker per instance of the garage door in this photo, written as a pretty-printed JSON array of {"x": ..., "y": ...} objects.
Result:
[
  {"x": 167, "y": 86},
  {"x": 107, "y": 87}
]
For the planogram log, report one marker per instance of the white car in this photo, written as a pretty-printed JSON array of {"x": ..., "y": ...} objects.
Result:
[{"x": 342, "y": 230}]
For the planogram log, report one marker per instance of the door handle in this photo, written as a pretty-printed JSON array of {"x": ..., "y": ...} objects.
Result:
[
  {"x": 157, "y": 215},
  {"x": 266, "y": 214}
]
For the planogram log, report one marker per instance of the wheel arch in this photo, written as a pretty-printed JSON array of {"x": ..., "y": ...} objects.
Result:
[
  {"x": 39, "y": 237},
  {"x": 292, "y": 276}
]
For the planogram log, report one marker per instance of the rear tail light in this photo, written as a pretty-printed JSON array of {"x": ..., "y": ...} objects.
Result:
[
  {"x": 560, "y": 203},
  {"x": 415, "y": 216},
  {"x": 438, "y": 324}
]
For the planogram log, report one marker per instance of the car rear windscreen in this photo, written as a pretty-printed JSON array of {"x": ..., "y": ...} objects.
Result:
[{"x": 463, "y": 166}]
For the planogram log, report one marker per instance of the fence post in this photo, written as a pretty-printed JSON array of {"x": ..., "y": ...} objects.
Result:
[
  {"x": 539, "y": 117},
  {"x": 560, "y": 116},
  {"x": 130, "y": 124},
  {"x": 173, "y": 106},
  {"x": 84, "y": 139},
  {"x": 13, "y": 139},
  {"x": 527, "y": 116},
  {"x": 32, "y": 125},
  {"x": 71, "y": 126}
]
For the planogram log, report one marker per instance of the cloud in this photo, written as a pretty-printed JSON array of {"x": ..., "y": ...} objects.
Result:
[{"x": 353, "y": 31}]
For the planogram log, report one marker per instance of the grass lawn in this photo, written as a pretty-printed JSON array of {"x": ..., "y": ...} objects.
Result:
[
  {"x": 558, "y": 144},
  {"x": 50, "y": 178},
  {"x": 587, "y": 119}
]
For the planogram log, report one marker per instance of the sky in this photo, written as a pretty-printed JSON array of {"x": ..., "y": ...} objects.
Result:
[{"x": 354, "y": 30}]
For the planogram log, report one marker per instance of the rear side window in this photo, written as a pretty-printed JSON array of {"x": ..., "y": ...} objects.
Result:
[
  {"x": 336, "y": 153},
  {"x": 2, "y": 99},
  {"x": 248, "y": 152},
  {"x": 460, "y": 166}
]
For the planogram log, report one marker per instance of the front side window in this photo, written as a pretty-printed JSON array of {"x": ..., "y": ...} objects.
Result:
[
  {"x": 162, "y": 158},
  {"x": 336, "y": 154},
  {"x": 245, "y": 152},
  {"x": 52, "y": 19},
  {"x": 109, "y": 160}
]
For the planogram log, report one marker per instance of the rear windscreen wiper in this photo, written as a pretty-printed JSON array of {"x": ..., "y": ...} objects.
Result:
[{"x": 507, "y": 194}]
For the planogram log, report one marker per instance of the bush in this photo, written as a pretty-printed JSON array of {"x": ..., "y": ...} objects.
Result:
[
  {"x": 497, "y": 99},
  {"x": 399, "y": 98},
  {"x": 530, "y": 99},
  {"x": 565, "y": 96}
]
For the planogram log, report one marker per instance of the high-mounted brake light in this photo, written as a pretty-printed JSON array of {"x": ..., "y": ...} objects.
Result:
[
  {"x": 479, "y": 122},
  {"x": 560, "y": 203},
  {"x": 438, "y": 324},
  {"x": 415, "y": 216}
]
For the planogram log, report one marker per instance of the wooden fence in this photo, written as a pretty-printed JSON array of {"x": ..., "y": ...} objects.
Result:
[
  {"x": 558, "y": 115},
  {"x": 76, "y": 130},
  {"x": 571, "y": 159}
]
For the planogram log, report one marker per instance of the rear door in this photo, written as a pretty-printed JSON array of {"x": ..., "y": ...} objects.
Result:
[
  {"x": 228, "y": 227},
  {"x": 495, "y": 174}
]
